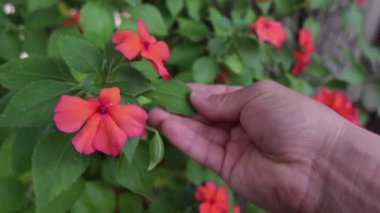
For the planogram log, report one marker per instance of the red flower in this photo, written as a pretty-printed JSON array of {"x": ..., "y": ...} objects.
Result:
[
  {"x": 221, "y": 77},
  {"x": 303, "y": 57},
  {"x": 236, "y": 209},
  {"x": 108, "y": 123},
  {"x": 213, "y": 199},
  {"x": 340, "y": 103},
  {"x": 269, "y": 31},
  {"x": 132, "y": 44},
  {"x": 360, "y": 3},
  {"x": 74, "y": 20},
  {"x": 302, "y": 60}
]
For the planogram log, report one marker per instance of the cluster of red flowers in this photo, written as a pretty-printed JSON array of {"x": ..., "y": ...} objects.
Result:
[
  {"x": 213, "y": 199},
  {"x": 303, "y": 56},
  {"x": 273, "y": 32},
  {"x": 340, "y": 103}
]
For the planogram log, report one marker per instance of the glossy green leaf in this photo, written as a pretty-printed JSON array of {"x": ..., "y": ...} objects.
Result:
[
  {"x": 194, "y": 8},
  {"x": 354, "y": 75},
  {"x": 135, "y": 176},
  {"x": 130, "y": 148},
  {"x": 80, "y": 54},
  {"x": 299, "y": 84},
  {"x": 205, "y": 70},
  {"x": 284, "y": 7},
  {"x": 12, "y": 195},
  {"x": 131, "y": 82},
  {"x": 221, "y": 24},
  {"x": 173, "y": 95},
  {"x": 193, "y": 30},
  {"x": 65, "y": 200},
  {"x": 130, "y": 203},
  {"x": 35, "y": 41},
  {"x": 97, "y": 22},
  {"x": 22, "y": 149},
  {"x": 152, "y": 17},
  {"x": 38, "y": 4},
  {"x": 313, "y": 25},
  {"x": 18, "y": 73},
  {"x": 56, "y": 166},
  {"x": 175, "y": 6},
  {"x": 11, "y": 43},
  {"x": 134, "y": 3},
  {"x": 354, "y": 18},
  {"x": 98, "y": 197},
  {"x": 33, "y": 105},
  {"x": 53, "y": 42},
  {"x": 317, "y": 70},
  {"x": 6, "y": 157},
  {"x": 156, "y": 150},
  {"x": 234, "y": 63},
  {"x": 186, "y": 54}
]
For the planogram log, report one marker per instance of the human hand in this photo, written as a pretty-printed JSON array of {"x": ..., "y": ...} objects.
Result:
[{"x": 263, "y": 140}]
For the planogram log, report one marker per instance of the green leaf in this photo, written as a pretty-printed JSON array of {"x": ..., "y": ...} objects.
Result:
[
  {"x": 173, "y": 95},
  {"x": 284, "y": 7},
  {"x": 299, "y": 85},
  {"x": 64, "y": 201},
  {"x": 135, "y": 176},
  {"x": 35, "y": 41},
  {"x": 152, "y": 17},
  {"x": 317, "y": 4},
  {"x": 131, "y": 82},
  {"x": 22, "y": 149},
  {"x": 97, "y": 197},
  {"x": 80, "y": 54},
  {"x": 205, "y": 70},
  {"x": 12, "y": 194},
  {"x": 355, "y": 75},
  {"x": 195, "y": 173},
  {"x": 12, "y": 45},
  {"x": 371, "y": 52},
  {"x": 185, "y": 54},
  {"x": 97, "y": 22},
  {"x": 6, "y": 157},
  {"x": 146, "y": 69},
  {"x": 38, "y": 4},
  {"x": 354, "y": 18},
  {"x": 53, "y": 43},
  {"x": 318, "y": 70},
  {"x": 265, "y": 6},
  {"x": 56, "y": 166},
  {"x": 156, "y": 150},
  {"x": 313, "y": 25},
  {"x": 193, "y": 30},
  {"x": 134, "y": 3},
  {"x": 234, "y": 63},
  {"x": 221, "y": 24},
  {"x": 16, "y": 74},
  {"x": 217, "y": 46},
  {"x": 33, "y": 105},
  {"x": 194, "y": 8},
  {"x": 175, "y": 6},
  {"x": 130, "y": 148},
  {"x": 130, "y": 203}
]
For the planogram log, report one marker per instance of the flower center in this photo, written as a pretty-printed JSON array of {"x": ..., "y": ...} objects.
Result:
[
  {"x": 102, "y": 109},
  {"x": 146, "y": 44},
  {"x": 266, "y": 25}
]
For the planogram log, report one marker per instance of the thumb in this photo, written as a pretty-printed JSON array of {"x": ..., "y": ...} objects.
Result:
[{"x": 227, "y": 107}]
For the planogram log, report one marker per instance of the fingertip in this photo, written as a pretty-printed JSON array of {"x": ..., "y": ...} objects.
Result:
[{"x": 155, "y": 116}]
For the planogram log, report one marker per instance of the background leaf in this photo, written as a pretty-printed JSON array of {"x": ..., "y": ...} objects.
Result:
[
  {"x": 11, "y": 195},
  {"x": 205, "y": 70},
  {"x": 156, "y": 150},
  {"x": 193, "y": 30},
  {"x": 80, "y": 54},
  {"x": 33, "y": 105},
  {"x": 152, "y": 17},
  {"x": 130, "y": 148},
  {"x": 56, "y": 166},
  {"x": 16, "y": 74},
  {"x": 97, "y": 22},
  {"x": 175, "y": 6}
]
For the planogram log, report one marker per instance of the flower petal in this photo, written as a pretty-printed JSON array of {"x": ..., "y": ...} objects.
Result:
[
  {"x": 109, "y": 95},
  {"x": 159, "y": 50},
  {"x": 221, "y": 194},
  {"x": 83, "y": 141},
  {"x": 155, "y": 58},
  {"x": 205, "y": 207},
  {"x": 109, "y": 138},
  {"x": 130, "y": 118},
  {"x": 160, "y": 69},
  {"x": 143, "y": 30},
  {"x": 129, "y": 43},
  {"x": 71, "y": 112}
]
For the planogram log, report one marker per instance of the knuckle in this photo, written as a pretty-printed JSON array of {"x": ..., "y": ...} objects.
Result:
[{"x": 264, "y": 86}]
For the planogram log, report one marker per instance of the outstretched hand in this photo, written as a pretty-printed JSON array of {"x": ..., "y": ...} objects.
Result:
[{"x": 263, "y": 140}]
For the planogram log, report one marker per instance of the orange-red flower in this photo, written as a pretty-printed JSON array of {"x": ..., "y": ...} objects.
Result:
[
  {"x": 74, "y": 20},
  {"x": 108, "y": 126},
  {"x": 236, "y": 209},
  {"x": 340, "y": 103},
  {"x": 132, "y": 44},
  {"x": 213, "y": 199},
  {"x": 269, "y": 31},
  {"x": 303, "y": 56}
]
